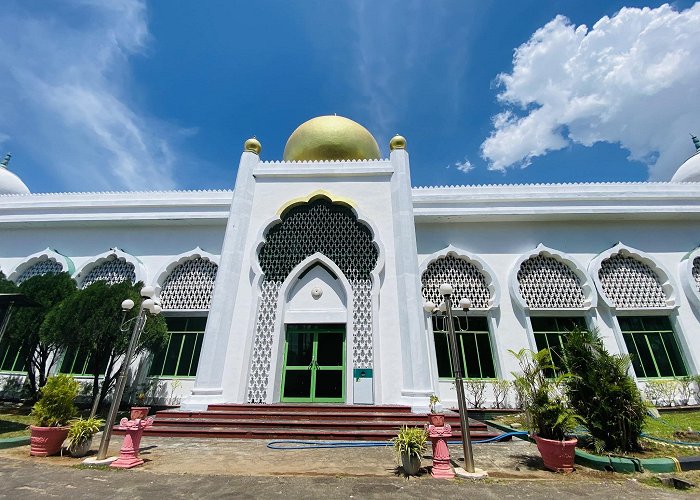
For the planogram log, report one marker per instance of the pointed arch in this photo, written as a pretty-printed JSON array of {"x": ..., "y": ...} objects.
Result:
[
  {"x": 187, "y": 282},
  {"x": 478, "y": 265},
  {"x": 572, "y": 276},
  {"x": 134, "y": 270},
  {"x": 689, "y": 270},
  {"x": 653, "y": 284},
  {"x": 49, "y": 254}
]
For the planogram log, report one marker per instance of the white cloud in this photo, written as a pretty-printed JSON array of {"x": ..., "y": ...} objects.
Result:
[
  {"x": 464, "y": 166},
  {"x": 66, "y": 89},
  {"x": 632, "y": 79}
]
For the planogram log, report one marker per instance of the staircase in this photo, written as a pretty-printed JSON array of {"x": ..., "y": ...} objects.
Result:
[{"x": 299, "y": 421}]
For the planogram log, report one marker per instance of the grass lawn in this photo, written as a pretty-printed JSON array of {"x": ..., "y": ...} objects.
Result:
[
  {"x": 13, "y": 425},
  {"x": 672, "y": 421}
]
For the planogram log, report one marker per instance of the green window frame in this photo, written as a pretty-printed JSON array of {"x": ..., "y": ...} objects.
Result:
[
  {"x": 473, "y": 343},
  {"x": 549, "y": 333},
  {"x": 653, "y": 346},
  {"x": 180, "y": 357},
  {"x": 13, "y": 356},
  {"x": 76, "y": 361}
]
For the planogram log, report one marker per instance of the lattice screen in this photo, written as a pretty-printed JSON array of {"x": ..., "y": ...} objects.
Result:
[
  {"x": 464, "y": 277},
  {"x": 113, "y": 271},
  {"x": 46, "y": 266},
  {"x": 630, "y": 283},
  {"x": 546, "y": 283},
  {"x": 189, "y": 286},
  {"x": 332, "y": 230},
  {"x": 696, "y": 272}
]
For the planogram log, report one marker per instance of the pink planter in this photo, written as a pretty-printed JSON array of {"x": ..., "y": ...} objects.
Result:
[
  {"x": 45, "y": 441},
  {"x": 436, "y": 419},
  {"x": 557, "y": 455},
  {"x": 139, "y": 412}
]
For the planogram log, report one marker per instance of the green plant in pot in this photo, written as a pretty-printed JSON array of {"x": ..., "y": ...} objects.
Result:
[
  {"x": 410, "y": 444},
  {"x": 51, "y": 415},
  {"x": 80, "y": 435},
  {"x": 549, "y": 415},
  {"x": 435, "y": 417}
]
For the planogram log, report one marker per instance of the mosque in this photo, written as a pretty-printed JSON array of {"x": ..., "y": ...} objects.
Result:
[{"x": 308, "y": 281}]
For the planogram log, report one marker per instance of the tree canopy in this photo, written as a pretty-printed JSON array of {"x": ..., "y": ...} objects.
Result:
[{"x": 89, "y": 323}]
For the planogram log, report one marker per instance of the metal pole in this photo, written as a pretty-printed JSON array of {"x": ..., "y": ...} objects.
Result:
[
  {"x": 121, "y": 383},
  {"x": 6, "y": 320},
  {"x": 459, "y": 385}
]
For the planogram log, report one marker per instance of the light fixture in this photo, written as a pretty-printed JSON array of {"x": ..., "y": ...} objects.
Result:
[
  {"x": 127, "y": 305},
  {"x": 446, "y": 289},
  {"x": 148, "y": 291},
  {"x": 429, "y": 307},
  {"x": 465, "y": 303}
]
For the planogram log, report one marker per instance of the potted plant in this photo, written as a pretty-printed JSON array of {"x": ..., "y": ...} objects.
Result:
[
  {"x": 140, "y": 411},
  {"x": 549, "y": 416},
  {"x": 80, "y": 435},
  {"x": 410, "y": 445},
  {"x": 51, "y": 414},
  {"x": 435, "y": 417}
]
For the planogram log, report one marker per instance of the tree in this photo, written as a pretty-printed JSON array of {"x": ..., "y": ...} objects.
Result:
[
  {"x": 6, "y": 286},
  {"x": 603, "y": 393},
  {"x": 25, "y": 327},
  {"x": 89, "y": 322}
]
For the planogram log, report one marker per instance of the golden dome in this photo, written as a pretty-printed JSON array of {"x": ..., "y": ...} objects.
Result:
[
  {"x": 331, "y": 138},
  {"x": 252, "y": 145},
  {"x": 397, "y": 142}
]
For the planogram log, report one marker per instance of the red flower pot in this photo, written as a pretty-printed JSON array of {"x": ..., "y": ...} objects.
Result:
[
  {"x": 45, "y": 441},
  {"x": 436, "y": 419},
  {"x": 140, "y": 412},
  {"x": 557, "y": 455}
]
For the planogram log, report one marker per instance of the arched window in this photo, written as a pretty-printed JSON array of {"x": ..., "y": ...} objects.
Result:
[
  {"x": 637, "y": 294},
  {"x": 41, "y": 268},
  {"x": 112, "y": 271},
  {"x": 549, "y": 287},
  {"x": 473, "y": 336}
]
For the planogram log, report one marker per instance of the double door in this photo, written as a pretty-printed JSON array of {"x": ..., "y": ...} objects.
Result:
[{"x": 314, "y": 364}]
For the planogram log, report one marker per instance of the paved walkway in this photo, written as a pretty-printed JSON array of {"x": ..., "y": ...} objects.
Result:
[{"x": 199, "y": 468}]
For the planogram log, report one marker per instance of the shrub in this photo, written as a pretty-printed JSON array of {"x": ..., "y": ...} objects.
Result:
[
  {"x": 500, "y": 393},
  {"x": 602, "y": 392},
  {"x": 410, "y": 440},
  {"x": 81, "y": 430},
  {"x": 55, "y": 406},
  {"x": 474, "y": 392}
]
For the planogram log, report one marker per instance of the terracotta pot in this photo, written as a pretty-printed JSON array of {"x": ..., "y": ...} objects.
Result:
[
  {"x": 436, "y": 419},
  {"x": 557, "y": 455},
  {"x": 45, "y": 441},
  {"x": 410, "y": 464},
  {"x": 140, "y": 412}
]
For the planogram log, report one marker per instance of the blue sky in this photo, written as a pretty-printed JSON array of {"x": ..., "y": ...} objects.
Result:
[{"x": 126, "y": 95}]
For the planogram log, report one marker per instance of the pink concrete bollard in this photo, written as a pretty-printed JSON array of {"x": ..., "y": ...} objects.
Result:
[
  {"x": 441, "y": 453},
  {"x": 129, "y": 452}
]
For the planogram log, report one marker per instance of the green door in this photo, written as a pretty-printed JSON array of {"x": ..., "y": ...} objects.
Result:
[{"x": 314, "y": 364}]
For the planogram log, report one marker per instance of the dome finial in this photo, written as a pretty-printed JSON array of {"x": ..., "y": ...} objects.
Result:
[
  {"x": 252, "y": 145},
  {"x": 696, "y": 142},
  {"x": 397, "y": 142},
  {"x": 6, "y": 161}
]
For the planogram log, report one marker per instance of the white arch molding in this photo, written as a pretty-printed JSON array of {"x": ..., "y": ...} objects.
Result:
[
  {"x": 49, "y": 253},
  {"x": 590, "y": 297},
  {"x": 663, "y": 275},
  {"x": 113, "y": 253},
  {"x": 473, "y": 259},
  {"x": 688, "y": 282}
]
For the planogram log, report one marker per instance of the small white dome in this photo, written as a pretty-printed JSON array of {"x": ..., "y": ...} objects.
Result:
[
  {"x": 10, "y": 183},
  {"x": 689, "y": 171}
]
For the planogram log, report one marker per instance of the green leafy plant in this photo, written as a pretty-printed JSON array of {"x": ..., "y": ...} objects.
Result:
[
  {"x": 55, "y": 406},
  {"x": 411, "y": 441},
  {"x": 602, "y": 392},
  {"x": 547, "y": 410},
  {"x": 434, "y": 400},
  {"x": 81, "y": 431}
]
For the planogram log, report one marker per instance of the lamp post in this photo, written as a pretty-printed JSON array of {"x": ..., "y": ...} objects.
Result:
[
  {"x": 446, "y": 290},
  {"x": 149, "y": 304}
]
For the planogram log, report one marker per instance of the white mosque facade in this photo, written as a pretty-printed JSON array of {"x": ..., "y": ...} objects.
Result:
[{"x": 307, "y": 282}]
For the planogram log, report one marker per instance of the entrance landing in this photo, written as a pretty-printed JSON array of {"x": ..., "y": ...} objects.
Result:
[{"x": 299, "y": 421}]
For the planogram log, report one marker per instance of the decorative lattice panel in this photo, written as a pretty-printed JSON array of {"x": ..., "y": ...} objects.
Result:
[
  {"x": 546, "y": 283},
  {"x": 113, "y": 271},
  {"x": 47, "y": 266},
  {"x": 262, "y": 344},
  {"x": 316, "y": 227},
  {"x": 464, "y": 277},
  {"x": 696, "y": 272},
  {"x": 630, "y": 283},
  {"x": 362, "y": 351},
  {"x": 189, "y": 285}
]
